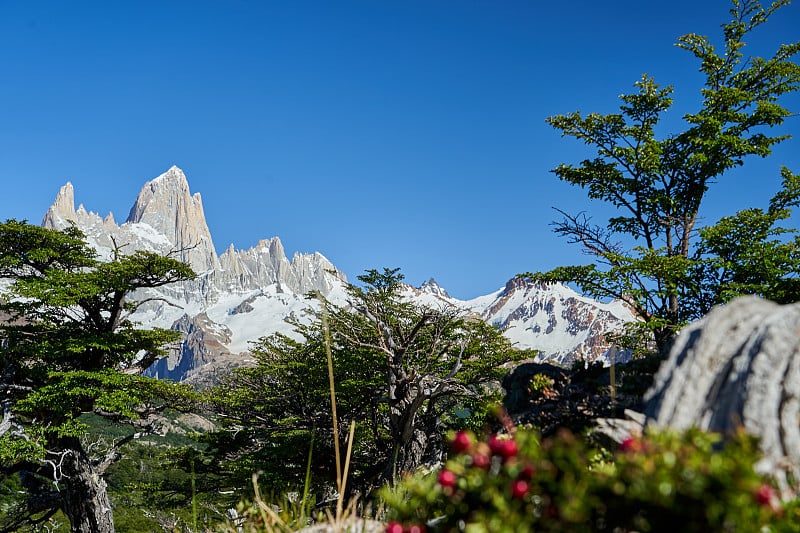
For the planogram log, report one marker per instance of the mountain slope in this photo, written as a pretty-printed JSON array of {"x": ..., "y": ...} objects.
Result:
[
  {"x": 551, "y": 318},
  {"x": 242, "y": 295}
]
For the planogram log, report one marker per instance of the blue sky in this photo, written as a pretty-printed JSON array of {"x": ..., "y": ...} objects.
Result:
[{"x": 381, "y": 133}]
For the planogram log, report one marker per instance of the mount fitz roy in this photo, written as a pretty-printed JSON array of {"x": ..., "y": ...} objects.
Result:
[{"x": 242, "y": 295}]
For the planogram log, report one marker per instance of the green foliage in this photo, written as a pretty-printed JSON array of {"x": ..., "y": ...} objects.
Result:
[
  {"x": 67, "y": 348},
  {"x": 651, "y": 255},
  {"x": 155, "y": 484},
  {"x": 476, "y": 412},
  {"x": 398, "y": 369},
  {"x": 749, "y": 253},
  {"x": 663, "y": 482},
  {"x": 540, "y": 384}
]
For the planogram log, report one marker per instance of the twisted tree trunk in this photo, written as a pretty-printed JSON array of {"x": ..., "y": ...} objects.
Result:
[
  {"x": 406, "y": 396},
  {"x": 84, "y": 497}
]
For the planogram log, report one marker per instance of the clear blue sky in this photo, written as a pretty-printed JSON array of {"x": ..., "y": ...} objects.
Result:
[{"x": 399, "y": 133}]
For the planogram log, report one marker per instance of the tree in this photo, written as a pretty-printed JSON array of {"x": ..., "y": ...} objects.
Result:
[
  {"x": 401, "y": 372},
  {"x": 749, "y": 253},
  {"x": 652, "y": 255},
  {"x": 69, "y": 347}
]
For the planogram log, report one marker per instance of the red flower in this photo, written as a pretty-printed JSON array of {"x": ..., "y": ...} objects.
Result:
[
  {"x": 510, "y": 449},
  {"x": 416, "y": 528},
  {"x": 394, "y": 527},
  {"x": 631, "y": 444},
  {"x": 505, "y": 448},
  {"x": 461, "y": 442},
  {"x": 447, "y": 478},
  {"x": 481, "y": 460},
  {"x": 766, "y": 496},
  {"x": 519, "y": 489},
  {"x": 495, "y": 443}
]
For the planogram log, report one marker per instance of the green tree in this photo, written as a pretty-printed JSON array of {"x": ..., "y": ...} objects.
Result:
[
  {"x": 69, "y": 347},
  {"x": 749, "y": 253},
  {"x": 648, "y": 255},
  {"x": 401, "y": 373}
]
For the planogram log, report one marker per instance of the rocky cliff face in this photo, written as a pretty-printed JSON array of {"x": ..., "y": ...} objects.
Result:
[
  {"x": 203, "y": 353},
  {"x": 166, "y": 205},
  {"x": 242, "y": 295}
]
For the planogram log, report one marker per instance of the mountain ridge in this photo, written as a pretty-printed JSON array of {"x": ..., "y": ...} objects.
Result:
[{"x": 242, "y": 295}]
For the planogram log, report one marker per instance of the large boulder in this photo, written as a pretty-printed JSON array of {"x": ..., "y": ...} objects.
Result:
[{"x": 737, "y": 368}]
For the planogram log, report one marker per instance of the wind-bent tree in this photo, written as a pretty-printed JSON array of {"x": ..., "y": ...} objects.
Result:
[
  {"x": 68, "y": 347},
  {"x": 403, "y": 373},
  {"x": 658, "y": 184}
]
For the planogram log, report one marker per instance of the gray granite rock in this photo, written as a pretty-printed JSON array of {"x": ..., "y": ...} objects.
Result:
[{"x": 738, "y": 367}]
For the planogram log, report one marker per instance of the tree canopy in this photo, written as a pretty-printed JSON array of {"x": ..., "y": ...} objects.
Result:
[
  {"x": 68, "y": 347},
  {"x": 652, "y": 254}
]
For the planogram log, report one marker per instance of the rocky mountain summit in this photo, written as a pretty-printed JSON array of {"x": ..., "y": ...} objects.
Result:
[{"x": 242, "y": 295}]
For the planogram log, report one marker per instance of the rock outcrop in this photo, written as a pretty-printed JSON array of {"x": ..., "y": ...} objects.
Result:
[
  {"x": 205, "y": 345},
  {"x": 738, "y": 367},
  {"x": 63, "y": 208}
]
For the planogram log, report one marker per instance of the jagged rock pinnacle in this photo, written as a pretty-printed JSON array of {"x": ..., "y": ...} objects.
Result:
[
  {"x": 166, "y": 204},
  {"x": 63, "y": 207}
]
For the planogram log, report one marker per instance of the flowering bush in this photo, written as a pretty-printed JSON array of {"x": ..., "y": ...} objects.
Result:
[{"x": 662, "y": 482}]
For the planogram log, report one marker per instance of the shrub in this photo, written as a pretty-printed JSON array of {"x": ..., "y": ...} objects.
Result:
[
  {"x": 665, "y": 481},
  {"x": 541, "y": 385}
]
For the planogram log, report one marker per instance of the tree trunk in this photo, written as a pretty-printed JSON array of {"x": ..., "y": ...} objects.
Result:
[
  {"x": 84, "y": 498},
  {"x": 406, "y": 398},
  {"x": 411, "y": 453}
]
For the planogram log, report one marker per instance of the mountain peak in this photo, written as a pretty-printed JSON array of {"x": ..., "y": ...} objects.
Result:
[
  {"x": 172, "y": 183},
  {"x": 63, "y": 207},
  {"x": 173, "y": 175},
  {"x": 165, "y": 204},
  {"x": 432, "y": 287}
]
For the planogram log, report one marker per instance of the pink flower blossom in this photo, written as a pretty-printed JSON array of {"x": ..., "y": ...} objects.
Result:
[
  {"x": 765, "y": 495},
  {"x": 461, "y": 442},
  {"x": 481, "y": 460},
  {"x": 447, "y": 478},
  {"x": 394, "y": 527},
  {"x": 519, "y": 489},
  {"x": 631, "y": 444}
]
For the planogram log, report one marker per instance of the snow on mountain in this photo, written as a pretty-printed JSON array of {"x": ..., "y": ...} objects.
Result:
[
  {"x": 434, "y": 288},
  {"x": 550, "y": 318},
  {"x": 242, "y": 295}
]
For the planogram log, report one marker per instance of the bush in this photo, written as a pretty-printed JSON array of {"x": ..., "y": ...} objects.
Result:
[{"x": 665, "y": 481}]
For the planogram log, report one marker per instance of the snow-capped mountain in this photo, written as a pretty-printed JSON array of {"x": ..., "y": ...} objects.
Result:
[
  {"x": 242, "y": 295},
  {"x": 551, "y": 318}
]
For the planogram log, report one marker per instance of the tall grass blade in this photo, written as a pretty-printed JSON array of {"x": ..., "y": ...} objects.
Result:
[
  {"x": 340, "y": 500},
  {"x": 307, "y": 484},
  {"x": 332, "y": 386}
]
